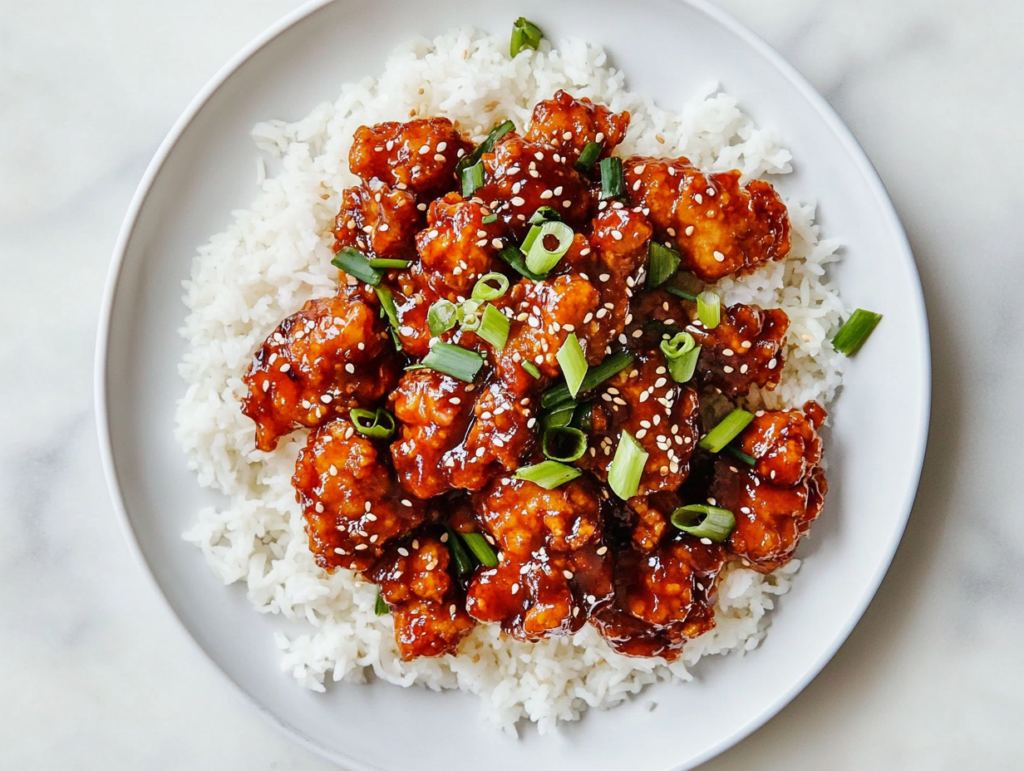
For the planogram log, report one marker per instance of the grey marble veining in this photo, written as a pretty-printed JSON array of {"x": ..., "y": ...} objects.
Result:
[{"x": 96, "y": 673}]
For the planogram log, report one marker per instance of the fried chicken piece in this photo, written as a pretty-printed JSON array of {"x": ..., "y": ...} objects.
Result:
[
  {"x": 570, "y": 124},
  {"x": 377, "y": 220},
  {"x": 352, "y": 506},
  {"x": 415, "y": 582},
  {"x": 745, "y": 349},
  {"x": 554, "y": 570},
  {"x": 333, "y": 355},
  {"x": 418, "y": 156},
  {"x": 457, "y": 247},
  {"x": 521, "y": 176},
  {"x": 776, "y": 501},
  {"x": 658, "y": 412},
  {"x": 720, "y": 227}
]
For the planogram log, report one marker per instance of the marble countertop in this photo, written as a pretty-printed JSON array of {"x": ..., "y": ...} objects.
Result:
[{"x": 97, "y": 673}]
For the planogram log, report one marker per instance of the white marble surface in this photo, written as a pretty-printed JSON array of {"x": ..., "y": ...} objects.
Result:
[{"x": 95, "y": 671}]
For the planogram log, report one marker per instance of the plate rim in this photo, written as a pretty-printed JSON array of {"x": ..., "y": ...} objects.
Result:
[{"x": 809, "y": 93}]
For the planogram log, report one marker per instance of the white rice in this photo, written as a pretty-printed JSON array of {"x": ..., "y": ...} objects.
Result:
[{"x": 276, "y": 256}]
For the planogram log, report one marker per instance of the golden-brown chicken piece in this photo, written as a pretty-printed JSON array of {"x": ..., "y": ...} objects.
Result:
[
  {"x": 658, "y": 412},
  {"x": 745, "y": 349},
  {"x": 457, "y": 247},
  {"x": 521, "y": 176},
  {"x": 570, "y": 124},
  {"x": 377, "y": 220},
  {"x": 776, "y": 501},
  {"x": 418, "y": 156},
  {"x": 554, "y": 570},
  {"x": 351, "y": 505},
  {"x": 721, "y": 228},
  {"x": 333, "y": 355},
  {"x": 427, "y": 605}
]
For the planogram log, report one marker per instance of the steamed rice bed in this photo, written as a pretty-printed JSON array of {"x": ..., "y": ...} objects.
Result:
[{"x": 277, "y": 255}]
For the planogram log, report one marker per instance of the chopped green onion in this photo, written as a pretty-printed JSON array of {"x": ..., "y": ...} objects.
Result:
[
  {"x": 545, "y": 214},
  {"x": 388, "y": 309},
  {"x": 469, "y": 313},
  {"x": 452, "y": 360},
  {"x": 730, "y": 427},
  {"x": 380, "y": 607},
  {"x": 627, "y": 467},
  {"x": 681, "y": 354},
  {"x": 539, "y": 258},
  {"x": 663, "y": 330},
  {"x": 573, "y": 362},
  {"x": 737, "y": 453},
  {"x": 664, "y": 263},
  {"x": 709, "y": 309},
  {"x": 530, "y": 367},
  {"x": 855, "y": 331},
  {"x": 681, "y": 293},
  {"x": 480, "y": 548},
  {"x": 400, "y": 264},
  {"x": 472, "y": 179},
  {"x": 582, "y": 418},
  {"x": 559, "y": 415},
  {"x": 611, "y": 366},
  {"x": 703, "y": 521},
  {"x": 515, "y": 258},
  {"x": 548, "y": 474},
  {"x": 376, "y": 425},
  {"x": 613, "y": 184},
  {"x": 494, "y": 327},
  {"x": 441, "y": 317},
  {"x": 564, "y": 444},
  {"x": 485, "y": 147},
  {"x": 585, "y": 163},
  {"x": 525, "y": 34},
  {"x": 353, "y": 262},
  {"x": 489, "y": 218},
  {"x": 457, "y": 550},
  {"x": 483, "y": 289}
]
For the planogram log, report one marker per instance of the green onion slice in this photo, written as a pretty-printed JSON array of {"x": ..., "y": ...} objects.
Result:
[
  {"x": 472, "y": 179},
  {"x": 388, "y": 309},
  {"x": 681, "y": 354},
  {"x": 673, "y": 290},
  {"x": 457, "y": 550},
  {"x": 485, "y": 147},
  {"x": 709, "y": 309},
  {"x": 489, "y": 218},
  {"x": 703, "y": 521},
  {"x": 611, "y": 366},
  {"x": 480, "y": 548},
  {"x": 573, "y": 362},
  {"x": 664, "y": 263},
  {"x": 737, "y": 453},
  {"x": 530, "y": 367},
  {"x": 380, "y": 607},
  {"x": 585, "y": 163},
  {"x": 613, "y": 184},
  {"x": 353, "y": 262},
  {"x": 548, "y": 474},
  {"x": 855, "y": 331},
  {"x": 730, "y": 427},
  {"x": 525, "y": 34},
  {"x": 379, "y": 424},
  {"x": 559, "y": 415},
  {"x": 627, "y": 467},
  {"x": 515, "y": 258},
  {"x": 470, "y": 314},
  {"x": 452, "y": 360},
  {"x": 494, "y": 327},
  {"x": 545, "y": 214},
  {"x": 564, "y": 444},
  {"x": 539, "y": 258},
  {"x": 483, "y": 290},
  {"x": 384, "y": 264},
  {"x": 441, "y": 317}
]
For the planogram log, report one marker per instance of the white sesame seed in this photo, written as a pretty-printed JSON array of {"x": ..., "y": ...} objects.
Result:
[
  {"x": 689, "y": 230},
  {"x": 698, "y": 198},
  {"x": 350, "y": 368}
]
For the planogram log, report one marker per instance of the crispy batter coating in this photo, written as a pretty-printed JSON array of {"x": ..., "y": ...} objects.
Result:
[
  {"x": 776, "y": 501},
  {"x": 377, "y": 220},
  {"x": 745, "y": 349},
  {"x": 427, "y": 605},
  {"x": 351, "y": 505},
  {"x": 720, "y": 227},
  {"x": 570, "y": 124},
  {"x": 457, "y": 246},
  {"x": 333, "y": 355},
  {"x": 418, "y": 156}
]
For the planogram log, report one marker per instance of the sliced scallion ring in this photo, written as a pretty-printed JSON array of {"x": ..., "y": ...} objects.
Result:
[
  {"x": 494, "y": 327},
  {"x": 730, "y": 427},
  {"x": 681, "y": 353},
  {"x": 709, "y": 309},
  {"x": 545, "y": 214},
  {"x": 454, "y": 361},
  {"x": 564, "y": 444},
  {"x": 737, "y": 453},
  {"x": 559, "y": 415},
  {"x": 485, "y": 147},
  {"x": 531, "y": 368},
  {"x": 573, "y": 362},
  {"x": 681, "y": 293},
  {"x": 482, "y": 550},
  {"x": 548, "y": 474},
  {"x": 489, "y": 218},
  {"x": 379, "y": 424},
  {"x": 613, "y": 184},
  {"x": 472, "y": 179},
  {"x": 516, "y": 260},
  {"x": 383, "y": 264},
  {"x": 470, "y": 314},
  {"x": 380, "y": 608},
  {"x": 627, "y": 467},
  {"x": 483, "y": 290},
  {"x": 539, "y": 258},
  {"x": 703, "y": 521},
  {"x": 525, "y": 34},
  {"x": 388, "y": 309},
  {"x": 354, "y": 262},
  {"x": 441, "y": 317},
  {"x": 457, "y": 550},
  {"x": 611, "y": 366},
  {"x": 662, "y": 265},
  {"x": 855, "y": 331},
  {"x": 585, "y": 163}
]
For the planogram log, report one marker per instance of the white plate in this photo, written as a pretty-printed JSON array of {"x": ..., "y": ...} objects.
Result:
[{"x": 205, "y": 168}]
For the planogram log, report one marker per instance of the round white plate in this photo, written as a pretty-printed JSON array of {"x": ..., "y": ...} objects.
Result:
[{"x": 205, "y": 169}]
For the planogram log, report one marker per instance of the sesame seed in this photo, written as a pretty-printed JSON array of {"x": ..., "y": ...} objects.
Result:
[
  {"x": 567, "y": 574},
  {"x": 517, "y": 201},
  {"x": 266, "y": 385},
  {"x": 698, "y": 198},
  {"x": 350, "y": 368},
  {"x": 361, "y": 546},
  {"x": 497, "y": 243},
  {"x": 425, "y": 149},
  {"x": 285, "y": 367},
  {"x": 689, "y": 230},
  {"x": 727, "y": 352}
]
